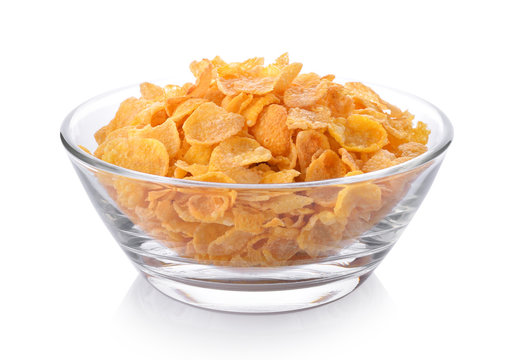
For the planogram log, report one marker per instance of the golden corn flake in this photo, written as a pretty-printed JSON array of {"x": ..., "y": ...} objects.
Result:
[
  {"x": 185, "y": 109},
  {"x": 327, "y": 166},
  {"x": 238, "y": 103},
  {"x": 364, "y": 96},
  {"x": 285, "y": 78},
  {"x": 380, "y": 160},
  {"x": 210, "y": 124},
  {"x": 348, "y": 159},
  {"x": 199, "y": 67},
  {"x": 126, "y": 112},
  {"x": 151, "y": 91},
  {"x": 252, "y": 111},
  {"x": 280, "y": 177},
  {"x": 324, "y": 196},
  {"x": 213, "y": 176},
  {"x": 308, "y": 143},
  {"x": 154, "y": 114},
  {"x": 411, "y": 149},
  {"x": 183, "y": 212},
  {"x": 287, "y": 162},
  {"x": 205, "y": 234},
  {"x": 272, "y": 132},
  {"x": 193, "y": 169},
  {"x": 231, "y": 242},
  {"x": 340, "y": 104},
  {"x": 198, "y": 154},
  {"x": 274, "y": 222},
  {"x": 166, "y": 133},
  {"x": 305, "y": 119},
  {"x": 286, "y": 203},
  {"x": 237, "y": 151},
  {"x": 170, "y": 220},
  {"x": 281, "y": 246},
  {"x": 139, "y": 154},
  {"x": 249, "y": 219},
  {"x": 420, "y": 133},
  {"x": 366, "y": 197},
  {"x": 306, "y": 90},
  {"x": 360, "y": 133},
  {"x": 321, "y": 235},
  {"x": 202, "y": 83},
  {"x": 208, "y": 207}
]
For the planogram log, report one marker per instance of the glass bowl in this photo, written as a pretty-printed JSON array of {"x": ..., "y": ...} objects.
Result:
[{"x": 259, "y": 247}]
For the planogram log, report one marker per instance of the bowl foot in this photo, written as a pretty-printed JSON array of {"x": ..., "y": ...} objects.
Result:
[{"x": 268, "y": 300}]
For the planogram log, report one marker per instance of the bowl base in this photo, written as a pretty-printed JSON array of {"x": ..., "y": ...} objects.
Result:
[{"x": 261, "y": 301}]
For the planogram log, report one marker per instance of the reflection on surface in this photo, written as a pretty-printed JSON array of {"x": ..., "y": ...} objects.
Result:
[{"x": 146, "y": 313}]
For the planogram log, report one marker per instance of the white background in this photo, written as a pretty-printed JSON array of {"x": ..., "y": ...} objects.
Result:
[{"x": 68, "y": 292}]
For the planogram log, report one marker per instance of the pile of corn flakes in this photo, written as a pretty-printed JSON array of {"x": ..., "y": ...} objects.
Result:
[{"x": 254, "y": 124}]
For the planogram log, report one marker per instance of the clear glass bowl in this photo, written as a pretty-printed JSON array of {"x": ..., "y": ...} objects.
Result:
[{"x": 324, "y": 240}]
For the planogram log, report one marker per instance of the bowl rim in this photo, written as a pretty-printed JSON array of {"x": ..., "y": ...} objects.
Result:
[{"x": 88, "y": 160}]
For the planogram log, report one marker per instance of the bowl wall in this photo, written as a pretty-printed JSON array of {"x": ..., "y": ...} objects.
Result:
[{"x": 255, "y": 248}]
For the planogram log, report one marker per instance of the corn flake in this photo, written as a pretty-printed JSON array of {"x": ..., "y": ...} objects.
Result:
[
  {"x": 210, "y": 124},
  {"x": 280, "y": 177},
  {"x": 254, "y": 109},
  {"x": 139, "y": 154},
  {"x": 237, "y": 151},
  {"x": 208, "y": 207},
  {"x": 230, "y": 243},
  {"x": 326, "y": 166},
  {"x": 305, "y": 119},
  {"x": 308, "y": 143},
  {"x": 306, "y": 90},
  {"x": 360, "y": 133},
  {"x": 151, "y": 91},
  {"x": 272, "y": 132}
]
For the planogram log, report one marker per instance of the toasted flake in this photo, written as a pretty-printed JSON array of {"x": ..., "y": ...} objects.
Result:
[
  {"x": 360, "y": 133},
  {"x": 286, "y": 203},
  {"x": 364, "y": 96},
  {"x": 237, "y": 151},
  {"x": 210, "y": 124},
  {"x": 248, "y": 219},
  {"x": 166, "y": 133},
  {"x": 306, "y": 90},
  {"x": 254, "y": 109},
  {"x": 151, "y": 91},
  {"x": 326, "y": 166},
  {"x": 238, "y": 103},
  {"x": 213, "y": 176},
  {"x": 185, "y": 109},
  {"x": 308, "y": 143},
  {"x": 231, "y": 242},
  {"x": 208, "y": 207},
  {"x": 280, "y": 177},
  {"x": 322, "y": 235},
  {"x": 139, "y": 154},
  {"x": 198, "y": 154},
  {"x": 366, "y": 197},
  {"x": 348, "y": 159},
  {"x": 205, "y": 234},
  {"x": 380, "y": 160},
  {"x": 411, "y": 149},
  {"x": 193, "y": 169},
  {"x": 272, "y": 132},
  {"x": 305, "y": 119},
  {"x": 286, "y": 76}
]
